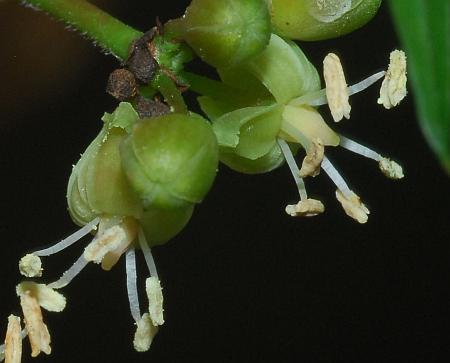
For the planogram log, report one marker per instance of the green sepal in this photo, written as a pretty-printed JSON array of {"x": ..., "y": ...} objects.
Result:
[
  {"x": 161, "y": 225},
  {"x": 318, "y": 20},
  {"x": 124, "y": 117},
  {"x": 214, "y": 108},
  {"x": 97, "y": 185},
  {"x": 282, "y": 68},
  {"x": 171, "y": 160},
  {"x": 270, "y": 161},
  {"x": 225, "y": 32},
  {"x": 251, "y": 132}
]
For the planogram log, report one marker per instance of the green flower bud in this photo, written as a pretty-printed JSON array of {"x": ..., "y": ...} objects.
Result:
[
  {"x": 170, "y": 160},
  {"x": 320, "y": 19},
  {"x": 152, "y": 170},
  {"x": 225, "y": 32}
]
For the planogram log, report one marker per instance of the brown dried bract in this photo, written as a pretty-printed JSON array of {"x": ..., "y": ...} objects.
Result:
[
  {"x": 37, "y": 331},
  {"x": 141, "y": 61},
  {"x": 13, "y": 341},
  {"x": 313, "y": 159},
  {"x": 150, "y": 108},
  {"x": 122, "y": 84}
]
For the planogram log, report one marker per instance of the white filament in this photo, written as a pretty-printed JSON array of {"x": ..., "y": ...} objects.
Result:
[
  {"x": 294, "y": 168},
  {"x": 132, "y": 285},
  {"x": 66, "y": 242},
  {"x": 147, "y": 254},
  {"x": 319, "y": 98},
  {"x": 365, "y": 83},
  {"x": 70, "y": 274},
  {"x": 334, "y": 175},
  {"x": 359, "y": 149}
]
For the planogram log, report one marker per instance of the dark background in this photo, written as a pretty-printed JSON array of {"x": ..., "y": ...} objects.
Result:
[{"x": 244, "y": 281}]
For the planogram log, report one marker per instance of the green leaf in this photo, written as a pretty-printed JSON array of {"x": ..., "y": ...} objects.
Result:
[{"x": 424, "y": 29}]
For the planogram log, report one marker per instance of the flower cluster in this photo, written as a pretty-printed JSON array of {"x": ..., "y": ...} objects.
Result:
[{"x": 138, "y": 182}]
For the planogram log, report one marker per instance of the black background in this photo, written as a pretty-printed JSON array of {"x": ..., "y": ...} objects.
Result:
[{"x": 244, "y": 281}]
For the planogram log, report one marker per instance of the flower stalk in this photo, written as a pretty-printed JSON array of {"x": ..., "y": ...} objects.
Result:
[{"x": 108, "y": 32}]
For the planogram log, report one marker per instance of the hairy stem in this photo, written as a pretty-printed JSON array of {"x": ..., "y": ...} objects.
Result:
[{"x": 108, "y": 32}]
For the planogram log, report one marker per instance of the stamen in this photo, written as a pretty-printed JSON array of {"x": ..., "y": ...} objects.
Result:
[
  {"x": 389, "y": 167},
  {"x": 13, "y": 341},
  {"x": 69, "y": 240},
  {"x": 336, "y": 87},
  {"x": 294, "y": 168},
  {"x": 319, "y": 98},
  {"x": 155, "y": 300},
  {"x": 353, "y": 206},
  {"x": 336, "y": 177},
  {"x": 305, "y": 208},
  {"x": 393, "y": 88},
  {"x": 130, "y": 227},
  {"x": 30, "y": 266},
  {"x": 131, "y": 284},
  {"x": 37, "y": 330},
  {"x": 313, "y": 159},
  {"x": 359, "y": 149},
  {"x": 47, "y": 298},
  {"x": 102, "y": 244},
  {"x": 70, "y": 274},
  {"x": 147, "y": 254},
  {"x": 145, "y": 332},
  {"x": 365, "y": 83}
]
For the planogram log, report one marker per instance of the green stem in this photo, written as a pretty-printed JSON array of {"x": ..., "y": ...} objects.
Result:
[
  {"x": 170, "y": 92},
  {"x": 105, "y": 30}
]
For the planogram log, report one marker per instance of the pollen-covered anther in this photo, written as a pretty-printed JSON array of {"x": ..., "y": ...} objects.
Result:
[
  {"x": 30, "y": 266},
  {"x": 145, "y": 332},
  {"x": 313, "y": 159},
  {"x": 305, "y": 208},
  {"x": 110, "y": 240},
  {"x": 393, "y": 88},
  {"x": 47, "y": 298},
  {"x": 37, "y": 330},
  {"x": 353, "y": 206},
  {"x": 391, "y": 169},
  {"x": 13, "y": 341},
  {"x": 155, "y": 300},
  {"x": 336, "y": 87}
]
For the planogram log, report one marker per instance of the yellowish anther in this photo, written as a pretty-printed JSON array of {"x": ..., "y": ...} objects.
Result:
[
  {"x": 336, "y": 87},
  {"x": 13, "y": 341},
  {"x": 130, "y": 227},
  {"x": 37, "y": 330},
  {"x": 353, "y": 206},
  {"x": 313, "y": 159},
  {"x": 47, "y": 298},
  {"x": 391, "y": 169},
  {"x": 305, "y": 208},
  {"x": 110, "y": 240},
  {"x": 145, "y": 332},
  {"x": 155, "y": 300},
  {"x": 30, "y": 266},
  {"x": 393, "y": 88}
]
